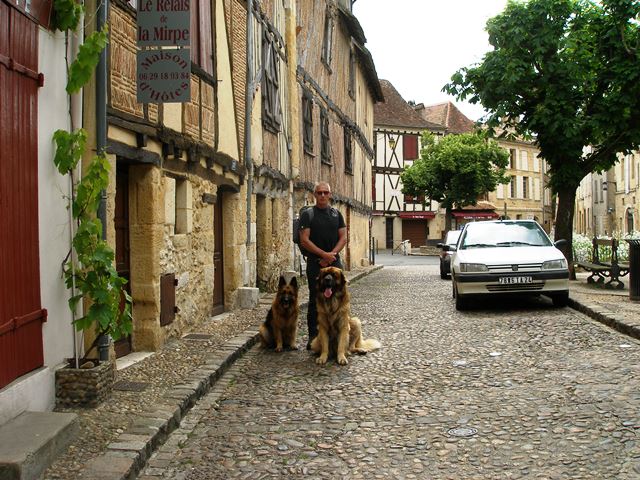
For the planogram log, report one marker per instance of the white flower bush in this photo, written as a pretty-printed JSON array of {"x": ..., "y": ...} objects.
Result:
[{"x": 582, "y": 247}]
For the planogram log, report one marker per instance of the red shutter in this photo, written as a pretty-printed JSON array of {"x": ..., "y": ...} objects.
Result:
[
  {"x": 21, "y": 314},
  {"x": 409, "y": 147}
]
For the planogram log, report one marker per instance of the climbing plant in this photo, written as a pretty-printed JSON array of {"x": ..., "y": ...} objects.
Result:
[{"x": 89, "y": 269}]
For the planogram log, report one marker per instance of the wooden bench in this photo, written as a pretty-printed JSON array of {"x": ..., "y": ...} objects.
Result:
[{"x": 602, "y": 270}]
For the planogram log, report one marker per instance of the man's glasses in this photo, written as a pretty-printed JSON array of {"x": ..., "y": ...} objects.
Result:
[{"x": 323, "y": 192}]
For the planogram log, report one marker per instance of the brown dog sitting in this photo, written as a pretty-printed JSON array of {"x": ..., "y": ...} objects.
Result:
[
  {"x": 281, "y": 325},
  {"x": 338, "y": 331}
]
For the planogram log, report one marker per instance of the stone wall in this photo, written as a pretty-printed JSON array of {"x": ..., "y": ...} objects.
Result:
[{"x": 187, "y": 248}]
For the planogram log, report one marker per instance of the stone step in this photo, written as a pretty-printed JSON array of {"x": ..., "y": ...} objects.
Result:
[{"x": 31, "y": 441}]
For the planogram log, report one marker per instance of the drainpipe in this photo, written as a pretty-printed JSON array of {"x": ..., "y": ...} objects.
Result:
[
  {"x": 248, "y": 114},
  {"x": 101, "y": 141}
]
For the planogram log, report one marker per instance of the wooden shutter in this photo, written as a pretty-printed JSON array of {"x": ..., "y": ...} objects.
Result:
[
  {"x": 167, "y": 298},
  {"x": 21, "y": 314},
  {"x": 409, "y": 147}
]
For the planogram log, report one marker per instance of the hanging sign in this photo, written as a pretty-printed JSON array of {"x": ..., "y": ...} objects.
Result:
[
  {"x": 164, "y": 76},
  {"x": 164, "y": 23}
]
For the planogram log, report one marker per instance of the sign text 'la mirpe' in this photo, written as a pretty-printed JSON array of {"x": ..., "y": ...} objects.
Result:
[
  {"x": 164, "y": 23},
  {"x": 164, "y": 76}
]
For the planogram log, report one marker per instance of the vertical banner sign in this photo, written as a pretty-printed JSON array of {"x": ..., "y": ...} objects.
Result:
[{"x": 164, "y": 76}]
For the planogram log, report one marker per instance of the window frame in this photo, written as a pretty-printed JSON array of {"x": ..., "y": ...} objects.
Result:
[
  {"x": 307, "y": 122},
  {"x": 327, "y": 40},
  {"x": 271, "y": 108},
  {"x": 325, "y": 139},
  {"x": 348, "y": 150}
]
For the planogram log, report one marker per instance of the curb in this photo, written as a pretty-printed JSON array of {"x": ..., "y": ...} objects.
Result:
[
  {"x": 128, "y": 454},
  {"x": 606, "y": 317}
]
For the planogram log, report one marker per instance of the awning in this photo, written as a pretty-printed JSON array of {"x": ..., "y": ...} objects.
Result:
[
  {"x": 424, "y": 215},
  {"x": 472, "y": 215}
]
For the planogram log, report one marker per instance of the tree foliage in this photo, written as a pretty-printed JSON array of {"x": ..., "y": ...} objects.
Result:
[
  {"x": 568, "y": 72},
  {"x": 456, "y": 170}
]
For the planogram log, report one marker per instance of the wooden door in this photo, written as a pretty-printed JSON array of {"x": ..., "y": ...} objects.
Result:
[
  {"x": 388, "y": 232},
  {"x": 123, "y": 263},
  {"x": 414, "y": 230},
  {"x": 218, "y": 265},
  {"x": 21, "y": 314}
]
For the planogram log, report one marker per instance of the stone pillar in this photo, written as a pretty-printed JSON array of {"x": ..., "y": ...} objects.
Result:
[{"x": 146, "y": 236}]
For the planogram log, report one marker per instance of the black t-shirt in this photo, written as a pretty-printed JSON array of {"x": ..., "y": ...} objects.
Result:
[{"x": 324, "y": 227}]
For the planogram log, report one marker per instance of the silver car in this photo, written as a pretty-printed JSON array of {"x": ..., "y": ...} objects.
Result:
[
  {"x": 508, "y": 257},
  {"x": 451, "y": 238}
]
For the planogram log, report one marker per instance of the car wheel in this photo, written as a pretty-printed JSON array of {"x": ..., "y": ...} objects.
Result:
[
  {"x": 443, "y": 274},
  {"x": 461, "y": 301},
  {"x": 560, "y": 299}
]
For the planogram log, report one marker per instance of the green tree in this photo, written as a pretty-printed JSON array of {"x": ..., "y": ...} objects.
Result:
[
  {"x": 456, "y": 170},
  {"x": 568, "y": 72}
]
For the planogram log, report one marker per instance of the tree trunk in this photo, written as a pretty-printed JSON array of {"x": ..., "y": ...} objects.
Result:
[
  {"x": 447, "y": 219},
  {"x": 564, "y": 223}
]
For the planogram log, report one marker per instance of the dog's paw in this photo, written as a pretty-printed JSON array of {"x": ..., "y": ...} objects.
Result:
[
  {"x": 321, "y": 360},
  {"x": 342, "y": 360},
  {"x": 278, "y": 349},
  {"x": 292, "y": 347}
]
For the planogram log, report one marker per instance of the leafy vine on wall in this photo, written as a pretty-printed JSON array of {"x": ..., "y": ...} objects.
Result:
[{"x": 89, "y": 269}]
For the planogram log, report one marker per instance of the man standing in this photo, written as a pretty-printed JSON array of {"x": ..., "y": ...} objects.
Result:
[{"x": 323, "y": 234}]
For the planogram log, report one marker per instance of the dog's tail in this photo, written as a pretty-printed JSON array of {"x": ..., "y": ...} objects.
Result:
[
  {"x": 360, "y": 345},
  {"x": 370, "y": 344}
]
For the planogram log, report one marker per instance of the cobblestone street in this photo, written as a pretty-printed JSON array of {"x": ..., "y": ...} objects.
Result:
[{"x": 515, "y": 390}]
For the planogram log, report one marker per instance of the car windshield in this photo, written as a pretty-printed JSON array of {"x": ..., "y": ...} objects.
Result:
[
  {"x": 504, "y": 234},
  {"x": 452, "y": 237}
]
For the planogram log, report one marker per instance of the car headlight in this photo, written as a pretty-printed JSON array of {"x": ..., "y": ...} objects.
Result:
[
  {"x": 555, "y": 264},
  {"x": 473, "y": 267}
]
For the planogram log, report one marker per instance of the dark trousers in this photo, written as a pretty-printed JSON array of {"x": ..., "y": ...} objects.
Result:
[{"x": 313, "y": 270}]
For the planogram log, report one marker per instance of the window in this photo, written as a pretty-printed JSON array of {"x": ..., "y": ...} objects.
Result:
[
  {"x": 514, "y": 188},
  {"x": 201, "y": 35},
  {"x": 271, "y": 110},
  {"x": 352, "y": 74},
  {"x": 525, "y": 187},
  {"x": 307, "y": 123},
  {"x": 512, "y": 159},
  {"x": 410, "y": 147},
  {"x": 348, "y": 153},
  {"x": 327, "y": 42},
  {"x": 325, "y": 145}
]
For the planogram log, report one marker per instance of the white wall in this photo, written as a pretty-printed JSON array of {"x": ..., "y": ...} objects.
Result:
[{"x": 35, "y": 391}]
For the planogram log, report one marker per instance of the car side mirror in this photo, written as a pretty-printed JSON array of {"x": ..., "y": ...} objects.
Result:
[
  {"x": 449, "y": 248},
  {"x": 440, "y": 245},
  {"x": 560, "y": 243}
]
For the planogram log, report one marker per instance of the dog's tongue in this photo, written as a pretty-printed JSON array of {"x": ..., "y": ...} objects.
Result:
[{"x": 328, "y": 292}]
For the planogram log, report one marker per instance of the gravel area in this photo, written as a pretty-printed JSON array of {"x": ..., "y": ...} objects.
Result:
[{"x": 160, "y": 371}]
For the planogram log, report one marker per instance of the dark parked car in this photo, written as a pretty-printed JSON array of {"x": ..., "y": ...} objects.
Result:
[{"x": 451, "y": 238}]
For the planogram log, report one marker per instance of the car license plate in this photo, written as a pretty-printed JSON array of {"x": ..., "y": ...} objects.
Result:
[{"x": 514, "y": 280}]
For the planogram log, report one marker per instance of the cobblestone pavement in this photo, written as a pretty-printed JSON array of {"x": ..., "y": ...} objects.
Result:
[{"x": 509, "y": 390}]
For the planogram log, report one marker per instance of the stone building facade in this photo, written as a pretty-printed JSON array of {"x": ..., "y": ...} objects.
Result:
[
  {"x": 608, "y": 203},
  {"x": 202, "y": 194},
  {"x": 177, "y": 198}
]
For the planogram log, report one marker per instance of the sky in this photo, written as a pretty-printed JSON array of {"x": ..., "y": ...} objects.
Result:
[{"x": 418, "y": 44}]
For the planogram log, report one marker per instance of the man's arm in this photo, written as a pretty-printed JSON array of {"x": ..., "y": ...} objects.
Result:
[
  {"x": 311, "y": 247},
  {"x": 342, "y": 240}
]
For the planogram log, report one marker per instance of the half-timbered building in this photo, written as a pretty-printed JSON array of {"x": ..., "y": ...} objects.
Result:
[
  {"x": 337, "y": 89},
  {"x": 177, "y": 202},
  {"x": 398, "y": 217}
]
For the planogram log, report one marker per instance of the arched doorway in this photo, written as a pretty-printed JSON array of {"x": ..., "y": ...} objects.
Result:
[{"x": 629, "y": 220}]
